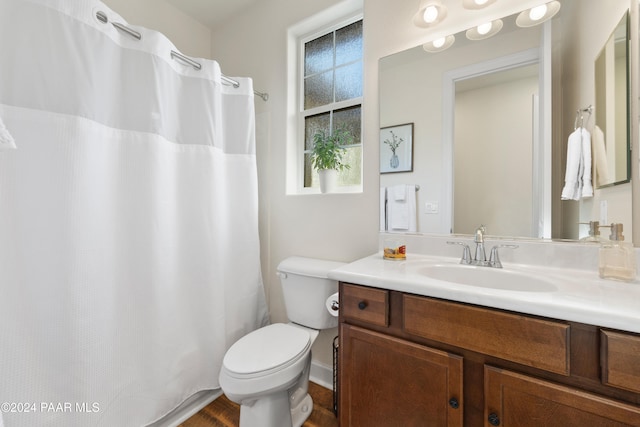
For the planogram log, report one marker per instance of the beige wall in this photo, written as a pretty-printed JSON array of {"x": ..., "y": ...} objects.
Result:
[
  {"x": 340, "y": 227},
  {"x": 578, "y": 91},
  {"x": 336, "y": 227},
  {"x": 421, "y": 104},
  {"x": 190, "y": 36},
  {"x": 493, "y": 158}
]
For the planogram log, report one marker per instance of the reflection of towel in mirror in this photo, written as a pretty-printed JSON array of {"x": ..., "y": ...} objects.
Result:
[
  {"x": 383, "y": 208},
  {"x": 600, "y": 156},
  {"x": 6, "y": 140},
  {"x": 577, "y": 179},
  {"x": 586, "y": 187},
  {"x": 400, "y": 192},
  {"x": 402, "y": 213}
]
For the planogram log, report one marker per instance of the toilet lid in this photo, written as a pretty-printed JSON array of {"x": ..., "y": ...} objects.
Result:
[{"x": 266, "y": 348}]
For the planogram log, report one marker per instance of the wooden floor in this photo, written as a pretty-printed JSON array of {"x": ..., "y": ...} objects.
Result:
[{"x": 224, "y": 413}]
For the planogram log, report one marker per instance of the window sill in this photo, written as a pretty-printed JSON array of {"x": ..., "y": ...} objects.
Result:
[{"x": 354, "y": 189}]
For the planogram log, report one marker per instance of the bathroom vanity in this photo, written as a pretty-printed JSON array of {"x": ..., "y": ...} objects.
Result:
[{"x": 417, "y": 351}]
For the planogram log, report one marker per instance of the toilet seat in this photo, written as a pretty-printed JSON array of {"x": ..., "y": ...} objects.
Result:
[{"x": 266, "y": 350}]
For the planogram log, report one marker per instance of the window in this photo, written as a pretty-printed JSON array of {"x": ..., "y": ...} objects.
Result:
[{"x": 331, "y": 88}]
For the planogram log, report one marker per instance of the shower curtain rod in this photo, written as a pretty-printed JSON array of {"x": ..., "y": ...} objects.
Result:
[
  {"x": 102, "y": 17},
  {"x": 197, "y": 66}
]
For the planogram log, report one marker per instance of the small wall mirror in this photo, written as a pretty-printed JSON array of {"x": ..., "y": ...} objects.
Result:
[{"x": 611, "y": 141}]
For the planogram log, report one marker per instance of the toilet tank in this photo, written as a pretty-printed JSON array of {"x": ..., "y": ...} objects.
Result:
[{"x": 306, "y": 288}]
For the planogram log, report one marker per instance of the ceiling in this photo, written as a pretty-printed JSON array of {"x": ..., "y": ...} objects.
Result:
[{"x": 212, "y": 12}]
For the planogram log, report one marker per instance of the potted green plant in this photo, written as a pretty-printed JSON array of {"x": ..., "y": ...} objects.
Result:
[{"x": 327, "y": 156}]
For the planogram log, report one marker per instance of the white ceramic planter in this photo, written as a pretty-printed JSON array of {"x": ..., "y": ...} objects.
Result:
[{"x": 328, "y": 180}]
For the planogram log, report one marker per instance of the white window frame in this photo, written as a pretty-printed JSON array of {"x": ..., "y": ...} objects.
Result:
[{"x": 297, "y": 125}]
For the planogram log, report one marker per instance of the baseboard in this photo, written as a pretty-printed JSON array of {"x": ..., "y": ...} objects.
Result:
[
  {"x": 321, "y": 374},
  {"x": 188, "y": 408}
]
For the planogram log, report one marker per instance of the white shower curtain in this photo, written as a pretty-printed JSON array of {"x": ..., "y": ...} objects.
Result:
[{"x": 129, "y": 252}]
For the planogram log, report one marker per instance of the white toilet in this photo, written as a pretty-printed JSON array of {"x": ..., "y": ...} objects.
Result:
[{"x": 267, "y": 370}]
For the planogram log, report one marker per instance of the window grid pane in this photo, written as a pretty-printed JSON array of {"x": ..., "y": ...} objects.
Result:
[
  {"x": 310, "y": 175},
  {"x": 318, "y": 90},
  {"x": 348, "y": 82},
  {"x": 349, "y": 118},
  {"x": 313, "y": 124},
  {"x": 333, "y": 73},
  {"x": 318, "y": 55},
  {"x": 340, "y": 51},
  {"x": 349, "y": 43},
  {"x": 346, "y": 177}
]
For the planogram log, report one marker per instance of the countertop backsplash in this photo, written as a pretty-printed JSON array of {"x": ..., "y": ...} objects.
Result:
[{"x": 559, "y": 254}]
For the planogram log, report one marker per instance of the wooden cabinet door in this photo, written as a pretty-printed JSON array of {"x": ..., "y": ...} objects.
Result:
[
  {"x": 386, "y": 381},
  {"x": 516, "y": 400},
  {"x": 620, "y": 360}
]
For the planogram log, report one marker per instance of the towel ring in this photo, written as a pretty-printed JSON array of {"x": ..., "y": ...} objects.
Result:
[{"x": 580, "y": 113}]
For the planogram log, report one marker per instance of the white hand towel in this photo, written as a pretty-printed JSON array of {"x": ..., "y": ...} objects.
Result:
[
  {"x": 402, "y": 213},
  {"x": 571, "y": 189},
  {"x": 383, "y": 208},
  {"x": 398, "y": 214},
  {"x": 600, "y": 156},
  {"x": 587, "y": 186},
  {"x": 400, "y": 192},
  {"x": 6, "y": 140},
  {"x": 413, "y": 207}
]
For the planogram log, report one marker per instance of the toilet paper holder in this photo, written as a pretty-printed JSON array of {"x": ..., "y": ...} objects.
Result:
[{"x": 333, "y": 305}]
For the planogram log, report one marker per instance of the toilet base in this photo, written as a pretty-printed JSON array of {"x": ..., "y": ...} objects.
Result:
[
  {"x": 271, "y": 411},
  {"x": 301, "y": 411},
  {"x": 276, "y": 411}
]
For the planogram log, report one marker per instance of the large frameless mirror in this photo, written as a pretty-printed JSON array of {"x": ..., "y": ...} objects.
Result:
[
  {"x": 469, "y": 104},
  {"x": 611, "y": 136}
]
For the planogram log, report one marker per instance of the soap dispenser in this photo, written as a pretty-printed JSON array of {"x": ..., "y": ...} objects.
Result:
[
  {"x": 617, "y": 257},
  {"x": 594, "y": 231}
]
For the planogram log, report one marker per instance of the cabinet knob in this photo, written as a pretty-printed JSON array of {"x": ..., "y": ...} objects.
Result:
[
  {"x": 453, "y": 402},
  {"x": 494, "y": 420},
  {"x": 362, "y": 305}
]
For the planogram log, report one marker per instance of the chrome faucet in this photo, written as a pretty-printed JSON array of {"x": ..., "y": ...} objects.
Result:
[
  {"x": 494, "y": 259},
  {"x": 480, "y": 257},
  {"x": 466, "y": 253}
]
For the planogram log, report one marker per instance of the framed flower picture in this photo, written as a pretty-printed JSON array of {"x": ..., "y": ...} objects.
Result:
[{"x": 396, "y": 148}]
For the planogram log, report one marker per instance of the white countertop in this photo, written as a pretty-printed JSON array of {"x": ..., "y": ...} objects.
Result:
[{"x": 581, "y": 296}]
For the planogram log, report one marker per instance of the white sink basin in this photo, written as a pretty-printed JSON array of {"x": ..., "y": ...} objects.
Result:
[{"x": 488, "y": 277}]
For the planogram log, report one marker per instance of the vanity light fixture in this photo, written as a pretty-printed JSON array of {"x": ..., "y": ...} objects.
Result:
[
  {"x": 438, "y": 45},
  {"x": 537, "y": 15},
  {"x": 476, "y": 4},
  {"x": 484, "y": 31},
  {"x": 430, "y": 13}
]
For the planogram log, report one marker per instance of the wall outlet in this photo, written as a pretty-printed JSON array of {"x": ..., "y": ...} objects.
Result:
[{"x": 431, "y": 207}]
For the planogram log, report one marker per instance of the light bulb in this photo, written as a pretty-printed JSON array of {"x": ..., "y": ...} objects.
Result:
[
  {"x": 430, "y": 14},
  {"x": 538, "y": 12},
  {"x": 484, "y": 28},
  {"x": 438, "y": 43}
]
